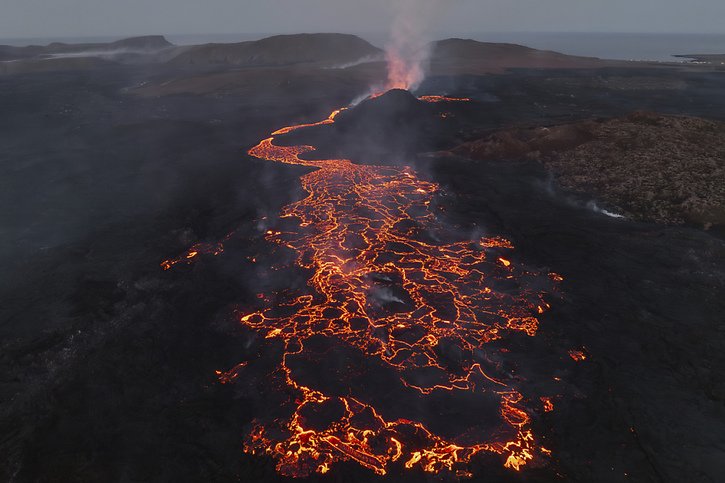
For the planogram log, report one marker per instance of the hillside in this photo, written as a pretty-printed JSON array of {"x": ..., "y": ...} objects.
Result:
[
  {"x": 280, "y": 50},
  {"x": 648, "y": 166},
  {"x": 464, "y": 56},
  {"x": 148, "y": 43},
  {"x": 59, "y": 56}
]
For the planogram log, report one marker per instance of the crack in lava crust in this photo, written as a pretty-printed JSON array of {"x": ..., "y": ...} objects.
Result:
[{"x": 392, "y": 283}]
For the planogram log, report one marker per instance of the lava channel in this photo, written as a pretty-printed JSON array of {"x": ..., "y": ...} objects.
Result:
[{"x": 406, "y": 309}]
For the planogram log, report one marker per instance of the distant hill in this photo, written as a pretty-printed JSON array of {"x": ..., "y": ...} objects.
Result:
[
  {"x": 61, "y": 56},
  {"x": 280, "y": 50},
  {"x": 473, "y": 49},
  {"x": 465, "y": 56},
  {"x": 148, "y": 43}
]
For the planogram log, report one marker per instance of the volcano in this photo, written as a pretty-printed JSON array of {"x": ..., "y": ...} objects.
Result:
[
  {"x": 233, "y": 270},
  {"x": 387, "y": 128}
]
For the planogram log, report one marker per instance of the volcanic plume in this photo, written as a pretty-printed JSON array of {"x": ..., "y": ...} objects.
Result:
[{"x": 407, "y": 52}]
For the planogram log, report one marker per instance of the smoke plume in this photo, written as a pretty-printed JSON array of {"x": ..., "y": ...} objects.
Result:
[{"x": 408, "y": 50}]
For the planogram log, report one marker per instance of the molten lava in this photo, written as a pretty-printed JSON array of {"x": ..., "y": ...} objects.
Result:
[
  {"x": 392, "y": 283},
  {"x": 577, "y": 355},
  {"x": 443, "y": 99}
]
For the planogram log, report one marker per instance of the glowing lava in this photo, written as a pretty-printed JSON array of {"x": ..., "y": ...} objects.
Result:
[
  {"x": 577, "y": 355},
  {"x": 390, "y": 282},
  {"x": 443, "y": 99}
]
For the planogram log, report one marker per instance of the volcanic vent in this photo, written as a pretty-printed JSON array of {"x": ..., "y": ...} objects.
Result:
[{"x": 383, "y": 129}]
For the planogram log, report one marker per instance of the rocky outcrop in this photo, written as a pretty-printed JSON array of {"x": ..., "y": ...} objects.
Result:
[{"x": 650, "y": 167}]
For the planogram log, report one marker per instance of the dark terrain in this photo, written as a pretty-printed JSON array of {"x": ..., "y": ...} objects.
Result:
[
  {"x": 108, "y": 167},
  {"x": 650, "y": 167}
]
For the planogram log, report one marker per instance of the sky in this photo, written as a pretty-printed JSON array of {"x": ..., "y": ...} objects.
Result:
[{"x": 77, "y": 18}]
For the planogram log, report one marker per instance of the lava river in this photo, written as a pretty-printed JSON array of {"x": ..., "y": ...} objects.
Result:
[{"x": 392, "y": 287}]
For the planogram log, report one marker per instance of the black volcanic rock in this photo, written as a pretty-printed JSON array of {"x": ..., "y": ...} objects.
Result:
[
  {"x": 385, "y": 113},
  {"x": 280, "y": 50},
  {"x": 107, "y": 361},
  {"x": 392, "y": 125},
  {"x": 668, "y": 169},
  {"x": 391, "y": 128}
]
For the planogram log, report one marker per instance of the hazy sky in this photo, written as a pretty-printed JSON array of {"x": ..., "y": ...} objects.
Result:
[{"x": 52, "y": 18}]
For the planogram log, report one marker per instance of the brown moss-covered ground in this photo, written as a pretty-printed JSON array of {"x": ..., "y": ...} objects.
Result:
[{"x": 648, "y": 166}]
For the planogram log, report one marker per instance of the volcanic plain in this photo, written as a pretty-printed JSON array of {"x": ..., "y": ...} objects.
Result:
[{"x": 605, "y": 177}]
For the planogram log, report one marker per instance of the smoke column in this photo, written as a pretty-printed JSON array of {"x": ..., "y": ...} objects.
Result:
[{"x": 408, "y": 50}]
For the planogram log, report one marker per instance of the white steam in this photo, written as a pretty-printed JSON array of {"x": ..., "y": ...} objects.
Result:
[
  {"x": 408, "y": 51},
  {"x": 363, "y": 60},
  {"x": 385, "y": 295},
  {"x": 594, "y": 207}
]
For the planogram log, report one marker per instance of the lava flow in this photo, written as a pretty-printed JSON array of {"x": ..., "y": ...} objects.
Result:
[{"x": 397, "y": 290}]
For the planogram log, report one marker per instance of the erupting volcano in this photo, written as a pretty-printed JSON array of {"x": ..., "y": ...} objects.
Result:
[
  {"x": 317, "y": 257},
  {"x": 400, "y": 298}
]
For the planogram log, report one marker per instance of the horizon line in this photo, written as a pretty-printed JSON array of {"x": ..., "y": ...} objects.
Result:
[{"x": 357, "y": 33}]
